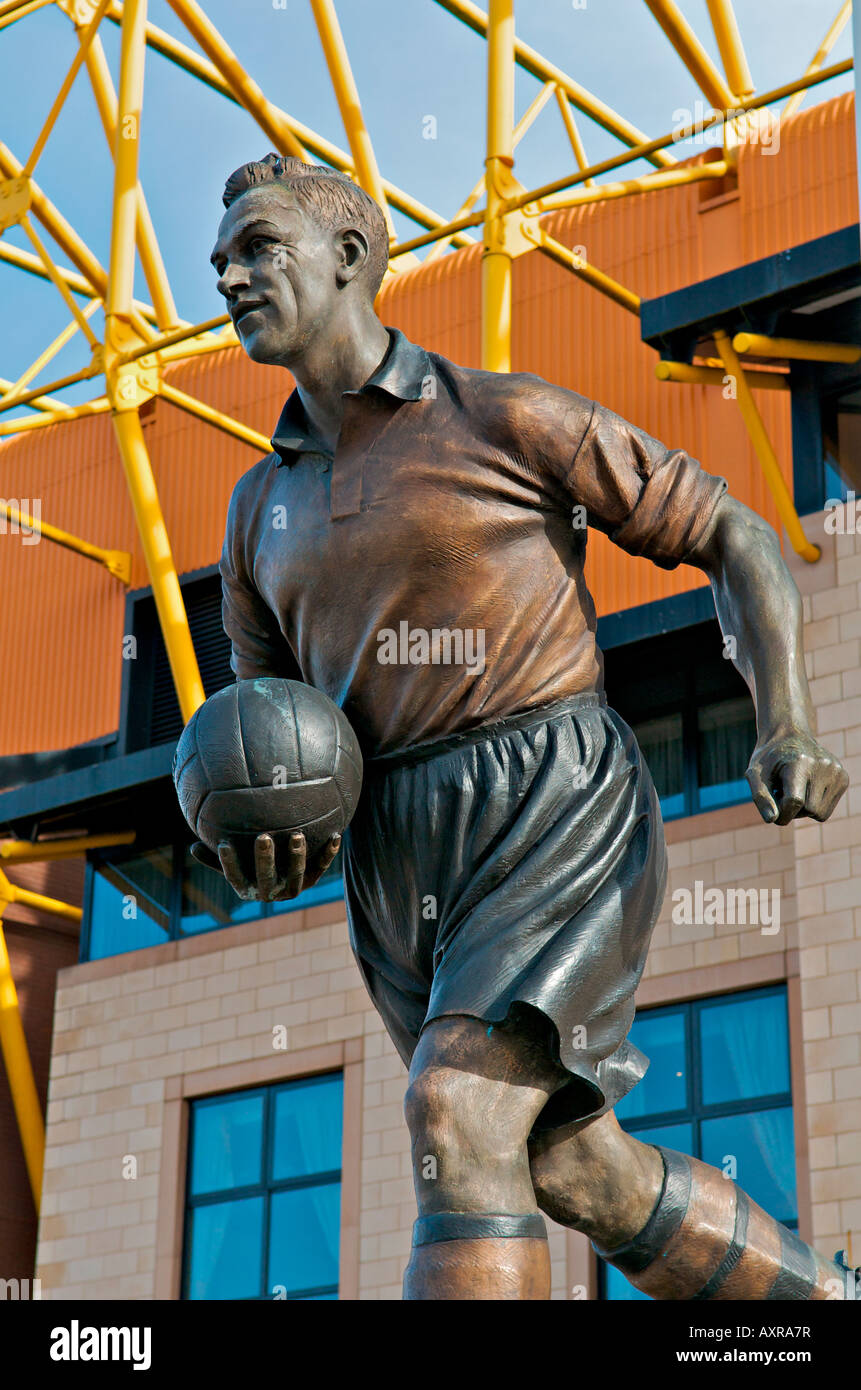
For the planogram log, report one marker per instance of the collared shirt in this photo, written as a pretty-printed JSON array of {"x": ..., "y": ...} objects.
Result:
[{"x": 429, "y": 576}]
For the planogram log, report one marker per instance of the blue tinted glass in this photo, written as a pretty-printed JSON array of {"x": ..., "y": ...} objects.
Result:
[
  {"x": 724, "y": 794},
  {"x": 679, "y": 1137},
  {"x": 618, "y": 1290},
  {"x": 304, "y": 1235},
  {"x": 745, "y": 1048},
  {"x": 227, "y": 1144},
  {"x": 209, "y": 902},
  {"x": 226, "y": 1249},
  {"x": 131, "y": 904},
  {"x": 763, "y": 1148},
  {"x": 308, "y": 1128},
  {"x": 672, "y": 807},
  {"x": 664, "y": 1087}
]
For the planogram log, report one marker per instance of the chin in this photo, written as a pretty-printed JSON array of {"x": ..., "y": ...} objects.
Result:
[{"x": 260, "y": 349}]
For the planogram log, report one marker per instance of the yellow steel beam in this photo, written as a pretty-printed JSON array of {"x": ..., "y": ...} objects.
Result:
[
  {"x": 9, "y": 14},
  {"x": 821, "y": 54},
  {"x": 165, "y": 340},
  {"x": 533, "y": 110},
  {"x": 246, "y": 91},
  {"x": 665, "y": 178},
  {"x": 716, "y": 376},
  {"x": 86, "y": 36},
  {"x": 19, "y": 1070},
  {"x": 59, "y": 284},
  {"x": 349, "y": 104},
  {"x": 581, "y": 268},
  {"x": 198, "y": 347},
  {"x": 136, "y": 463},
  {"x": 691, "y": 52},
  {"x": 22, "y": 424},
  {"x": 26, "y": 261},
  {"x": 717, "y": 118},
  {"x": 159, "y": 560},
  {"x": 214, "y": 417},
  {"x": 532, "y": 61},
  {"x": 47, "y": 403},
  {"x": 573, "y": 132},
  {"x": 26, "y": 397},
  {"x": 15, "y": 6},
  {"x": 765, "y": 451},
  {"x": 56, "y": 225},
  {"x": 26, "y": 898},
  {"x": 9, "y": 397},
  {"x": 40, "y": 851},
  {"x": 758, "y": 345},
  {"x": 321, "y": 148},
  {"x": 119, "y": 562},
  {"x": 147, "y": 242},
  {"x": 496, "y": 259},
  {"x": 732, "y": 55}
]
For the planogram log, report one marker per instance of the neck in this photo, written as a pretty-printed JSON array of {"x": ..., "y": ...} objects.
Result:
[{"x": 342, "y": 357}]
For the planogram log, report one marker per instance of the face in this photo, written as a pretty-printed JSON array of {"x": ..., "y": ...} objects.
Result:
[{"x": 279, "y": 272}]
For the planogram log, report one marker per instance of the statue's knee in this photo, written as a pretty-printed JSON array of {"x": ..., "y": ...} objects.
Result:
[
  {"x": 446, "y": 1122},
  {"x": 562, "y": 1191}
]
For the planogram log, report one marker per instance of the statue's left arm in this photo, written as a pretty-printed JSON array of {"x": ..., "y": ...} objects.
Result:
[{"x": 759, "y": 606}]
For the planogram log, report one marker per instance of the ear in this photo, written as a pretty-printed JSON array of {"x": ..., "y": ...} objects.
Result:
[{"x": 352, "y": 254}]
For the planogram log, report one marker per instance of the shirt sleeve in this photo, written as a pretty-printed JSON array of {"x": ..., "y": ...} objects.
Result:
[
  {"x": 648, "y": 499},
  {"x": 258, "y": 646}
]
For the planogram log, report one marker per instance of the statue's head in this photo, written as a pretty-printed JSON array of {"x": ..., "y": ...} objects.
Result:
[{"x": 296, "y": 246}]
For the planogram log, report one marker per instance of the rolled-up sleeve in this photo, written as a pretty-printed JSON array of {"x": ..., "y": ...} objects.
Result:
[
  {"x": 258, "y": 646},
  {"x": 648, "y": 499}
]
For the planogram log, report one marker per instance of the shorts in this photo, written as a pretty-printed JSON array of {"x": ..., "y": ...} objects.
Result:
[{"x": 514, "y": 873}]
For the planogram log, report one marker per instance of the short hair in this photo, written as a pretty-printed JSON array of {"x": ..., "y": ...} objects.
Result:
[{"x": 331, "y": 197}]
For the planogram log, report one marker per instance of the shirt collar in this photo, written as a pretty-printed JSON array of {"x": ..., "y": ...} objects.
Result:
[{"x": 401, "y": 374}]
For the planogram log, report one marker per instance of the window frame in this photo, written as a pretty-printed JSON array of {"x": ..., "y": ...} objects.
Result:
[
  {"x": 265, "y": 1188},
  {"x": 695, "y": 1112},
  {"x": 327, "y": 892}
]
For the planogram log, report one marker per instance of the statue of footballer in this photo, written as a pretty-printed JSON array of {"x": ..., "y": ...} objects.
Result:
[{"x": 506, "y": 864}]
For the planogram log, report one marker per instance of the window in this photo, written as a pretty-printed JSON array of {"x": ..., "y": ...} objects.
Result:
[
  {"x": 163, "y": 894},
  {"x": 264, "y": 1193},
  {"x": 718, "y": 1088},
  {"x": 692, "y": 715},
  {"x": 841, "y": 444}
]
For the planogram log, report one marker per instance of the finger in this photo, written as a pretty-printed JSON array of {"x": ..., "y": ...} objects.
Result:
[
  {"x": 205, "y": 856},
  {"x": 328, "y": 852},
  {"x": 297, "y": 853},
  {"x": 765, "y": 802},
  {"x": 324, "y": 859},
  {"x": 791, "y": 782},
  {"x": 264, "y": 864},
  {"x": 827, "y": 785},
  {"x": 232, "y": 871}
]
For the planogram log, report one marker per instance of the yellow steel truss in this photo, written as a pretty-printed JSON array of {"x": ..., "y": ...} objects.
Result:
[{"x": 140, "y": 339}]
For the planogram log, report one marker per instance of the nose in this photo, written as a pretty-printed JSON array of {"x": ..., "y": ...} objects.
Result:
[{"x": 232, "y": 279}]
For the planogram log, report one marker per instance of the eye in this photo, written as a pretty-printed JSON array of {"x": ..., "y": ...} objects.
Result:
[{"x": 257, "y": 242}]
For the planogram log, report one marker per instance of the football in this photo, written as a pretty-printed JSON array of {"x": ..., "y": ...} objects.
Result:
[{"x": 267, "y": 755}]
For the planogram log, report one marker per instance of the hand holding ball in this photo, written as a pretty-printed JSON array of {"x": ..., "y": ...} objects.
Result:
[{"x": 268, "y": 774}]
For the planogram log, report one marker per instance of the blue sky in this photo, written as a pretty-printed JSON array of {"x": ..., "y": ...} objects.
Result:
[{"x": 411, "y": 59}]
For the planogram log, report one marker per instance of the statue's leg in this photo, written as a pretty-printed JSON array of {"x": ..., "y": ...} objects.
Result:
[
  {"x": 473, "y": 1096},
  {"x": 701, "y": 1237}
]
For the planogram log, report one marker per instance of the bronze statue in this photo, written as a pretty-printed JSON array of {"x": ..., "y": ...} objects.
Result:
[{"x": 507, "y": 862}]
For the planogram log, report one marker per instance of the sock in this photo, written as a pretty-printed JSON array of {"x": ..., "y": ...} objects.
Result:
[
  {"x": 467, "y": 1256},
  {"x": 707, "y": 1240}
]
